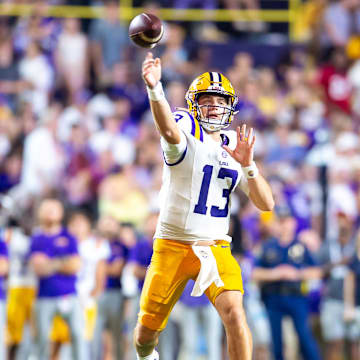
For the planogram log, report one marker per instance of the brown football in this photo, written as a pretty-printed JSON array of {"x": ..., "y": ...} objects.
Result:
[{"x": 146, "y": 30}]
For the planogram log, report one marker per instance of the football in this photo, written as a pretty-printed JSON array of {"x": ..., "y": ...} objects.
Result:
[{"x": 146, "y": 30}]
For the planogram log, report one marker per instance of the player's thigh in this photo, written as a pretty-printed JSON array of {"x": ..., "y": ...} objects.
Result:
[
  {"x": 353, "y": 329},
  {"x": 19, "y": 310},
  {"x": 60, "y": 332},
  {"x": 165, "y": 280},
  {"x": 229, "y": 271}
]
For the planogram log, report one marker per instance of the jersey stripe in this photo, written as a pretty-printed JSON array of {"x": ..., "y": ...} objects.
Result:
[
  {"x": 176, "y": 162},
  {"x": 211, "y": 77},
  {"x": 196, "y": 129}
]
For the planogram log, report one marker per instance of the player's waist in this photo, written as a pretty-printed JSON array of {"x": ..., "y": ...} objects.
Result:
[{"x": 195, "y": 242}]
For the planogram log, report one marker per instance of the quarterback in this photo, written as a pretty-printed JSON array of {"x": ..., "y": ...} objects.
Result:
[{"x": 203, "y": 165}]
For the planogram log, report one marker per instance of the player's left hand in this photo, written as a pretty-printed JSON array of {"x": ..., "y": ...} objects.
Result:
[{"x": 244, "y": 150}]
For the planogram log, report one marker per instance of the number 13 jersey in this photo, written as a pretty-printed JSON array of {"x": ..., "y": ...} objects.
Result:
[{"x": 198, "y": 179}]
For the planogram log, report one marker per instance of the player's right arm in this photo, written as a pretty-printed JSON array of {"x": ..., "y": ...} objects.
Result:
[{"x": 163, "y": 117}]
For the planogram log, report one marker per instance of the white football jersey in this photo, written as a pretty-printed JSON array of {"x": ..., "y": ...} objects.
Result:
[
  {"x": 91, "y": 252},
  {"x": 20, "y": 273},
  {"x": 196, "y": 192}
]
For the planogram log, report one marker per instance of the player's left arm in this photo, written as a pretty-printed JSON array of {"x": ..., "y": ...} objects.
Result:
[{"x": 259, "y": 190}]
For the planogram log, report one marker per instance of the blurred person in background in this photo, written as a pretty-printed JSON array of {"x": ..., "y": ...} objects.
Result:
[
  {"x": 90, "y": 283},
  {"x": 334, "y": 255},
  {"x": 122, "y": 198},
  {"x": 340, "y": 20},
  {"x": 72, "y": 58},
  {"x": 110, "y": 304},
  {"x": 37, "y": 27},
  {"x": 174, "y": 54},
  {"x": 21, "y": 291},
  {"x": 138, "y": 261},
  {"x": 254, "y": 308},
  {"x": 111, "y": 138},
  {"x": 10, "y": 171},
  {"x": 42, "y": 170},
  {"x": 108, "y": 40},
  {"x": 334, "y": 83},
  {"x": 198, "y": 321},
  {"x": 352, "y": 299},
  {"x": 78, "y": 183},
  {"x": 78, "y": 111},
  {"x": 38, "y": 75},
  {"x": 4, "y": 269},
  {"x": 281, "y": 267},
  {"x": 10, "y": 82},
  {"x": 55, "y": 259}
]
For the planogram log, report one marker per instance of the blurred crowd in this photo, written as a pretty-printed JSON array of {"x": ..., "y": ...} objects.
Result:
[{"x": 81, "y": 168}]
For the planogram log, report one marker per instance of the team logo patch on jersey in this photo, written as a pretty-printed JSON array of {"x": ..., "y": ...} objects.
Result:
[
  {"x": 296, "y": 253},
  {"x": 61, "y": 241},
  {"x": 224, "y": 154}
]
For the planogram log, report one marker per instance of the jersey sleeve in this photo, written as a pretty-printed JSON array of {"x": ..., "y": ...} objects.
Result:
[
  {"x": 36, "y": 246},
  {"x": 174, "y": 153},
  {"x": 3, "y": 249}
]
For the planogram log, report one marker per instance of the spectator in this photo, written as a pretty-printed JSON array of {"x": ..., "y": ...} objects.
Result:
[
  {"x": 256, "y": 314},
  {"x": 334, "y": 83},
  {"x": 340, "y": 20},
  {"x": 21, "y": 292},
  {"x": 39, "y": 77},
  {"x": 121, "y": 197},
  {"x": 110, "y": 302},
  {"x": 334, "y": 256},
  {"x": 42, "y": 170},
  {"x": 352, "y": 299},
  {"x": 72, "y": 58},
  {"x": 4, "y": 268},
  {"x": 55, "y": 259},
  {"x": 91, "y": 278},
  {"x": 10, "y": 82},
  {"x": 109, "y": 40},
  {"x": 199, "y": 317},
  {"x": 281, "y": 267}
]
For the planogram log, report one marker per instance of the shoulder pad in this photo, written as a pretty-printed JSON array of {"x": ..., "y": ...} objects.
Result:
[{"x": 188, "y": 124}]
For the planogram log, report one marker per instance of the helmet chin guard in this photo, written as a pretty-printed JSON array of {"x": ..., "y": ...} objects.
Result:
[{"x": 212, "y": 83}]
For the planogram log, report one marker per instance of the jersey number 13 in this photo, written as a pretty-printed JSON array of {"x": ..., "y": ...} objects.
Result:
[{"x": 215, "y": 211}]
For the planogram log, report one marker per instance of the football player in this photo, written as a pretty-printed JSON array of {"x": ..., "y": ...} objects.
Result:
[
  {"x": 203, "y": 165},
  {"x": 21, "y": 289}
]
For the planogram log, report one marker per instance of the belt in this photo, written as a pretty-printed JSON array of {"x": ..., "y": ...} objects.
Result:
[{"x": 198, "y": 242}]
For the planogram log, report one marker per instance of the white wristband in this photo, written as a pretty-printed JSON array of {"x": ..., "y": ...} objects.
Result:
[
  {"x": 156, "y": 93},
  {"x": 251, "y": 172}
]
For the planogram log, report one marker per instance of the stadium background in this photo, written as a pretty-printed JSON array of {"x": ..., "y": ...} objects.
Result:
[{"x": 68, "y": 74}]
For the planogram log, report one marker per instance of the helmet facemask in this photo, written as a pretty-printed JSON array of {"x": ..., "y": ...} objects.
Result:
[{"x": 209, "y": 123}]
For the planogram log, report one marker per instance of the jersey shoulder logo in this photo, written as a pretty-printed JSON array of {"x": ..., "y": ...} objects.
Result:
[{"x": 194, "y": 128}]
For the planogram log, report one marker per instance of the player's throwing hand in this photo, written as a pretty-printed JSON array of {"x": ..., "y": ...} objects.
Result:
[
  {"x": 244, "y": 150},
  {"x": 151, "y": 70}
]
